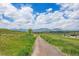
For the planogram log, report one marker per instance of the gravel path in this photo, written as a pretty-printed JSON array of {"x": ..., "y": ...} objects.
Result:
[{"x": 42, "y": 48}]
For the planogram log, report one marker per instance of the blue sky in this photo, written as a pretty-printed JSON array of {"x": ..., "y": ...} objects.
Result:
[
  {"x": 39, "y": 7},
  {"x": 39, "y": 15}
]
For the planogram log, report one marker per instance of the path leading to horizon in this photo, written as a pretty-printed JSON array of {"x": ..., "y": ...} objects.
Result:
[{"x": 42, "y": 48}]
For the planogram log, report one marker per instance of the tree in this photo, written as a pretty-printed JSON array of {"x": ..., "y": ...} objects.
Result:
[{"x": 30, "y": 31}]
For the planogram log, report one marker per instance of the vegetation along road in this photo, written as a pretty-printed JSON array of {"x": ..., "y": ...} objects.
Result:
[{"x": 42, "y": 48}]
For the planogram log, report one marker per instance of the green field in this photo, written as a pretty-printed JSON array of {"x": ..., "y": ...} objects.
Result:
[
  {"x": 69, "y": 46},
  {"x": 15, "y": 43}
]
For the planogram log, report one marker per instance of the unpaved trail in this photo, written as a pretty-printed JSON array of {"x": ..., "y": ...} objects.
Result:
[{"x": 42, "y": 48}]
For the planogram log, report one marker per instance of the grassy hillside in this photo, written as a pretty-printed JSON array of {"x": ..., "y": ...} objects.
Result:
[
  {"x": 15, "y": 43},
  {"x": 70, "y": 46}
]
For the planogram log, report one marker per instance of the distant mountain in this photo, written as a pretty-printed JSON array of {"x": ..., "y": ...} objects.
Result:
[
  {"x": 42, "y": 30},
  {"x": 23, "y": 30},
  {"x": 39, "y": 30},
  {"x": 57, "y": 29},
  {"x": 46, "y": 30}
]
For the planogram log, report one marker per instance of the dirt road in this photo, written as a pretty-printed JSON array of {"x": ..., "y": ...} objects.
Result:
[{"x": 42, "y": 48}]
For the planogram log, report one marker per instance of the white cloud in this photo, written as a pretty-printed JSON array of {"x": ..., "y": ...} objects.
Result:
[
  {"x": 66, "y": 18},
  {"x": 41, "y": 18},
  {"x": 46, "y": 18},
  {"x": 58, "y": 19},
  {"x": 70, "y": 10},
  {"x": 50, "y": 9},
  {"x": 21, "y": 16}
]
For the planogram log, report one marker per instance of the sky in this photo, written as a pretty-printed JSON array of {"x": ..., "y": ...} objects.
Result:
[
  {"x": 38, "y": 7},
  {"x": 64, "y": 16}
]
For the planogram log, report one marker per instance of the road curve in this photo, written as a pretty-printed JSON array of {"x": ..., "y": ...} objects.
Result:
[{"x": 42, "y": 48}]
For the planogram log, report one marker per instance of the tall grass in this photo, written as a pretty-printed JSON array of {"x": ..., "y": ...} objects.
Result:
[
  {"x": 66, "y": 45},
  {"x": 13, "y": 43}
]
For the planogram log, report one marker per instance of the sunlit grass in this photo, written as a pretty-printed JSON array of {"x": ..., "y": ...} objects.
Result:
[
  {"x": 69, "y": 46},
  {"x": 16, "y": 43}
]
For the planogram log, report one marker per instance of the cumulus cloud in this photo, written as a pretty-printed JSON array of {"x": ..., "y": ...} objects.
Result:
[
  {"x": 48, "y": 10},
  {"x": 66, "y": 18},
  {"x": 21, "y": 17},
  {"x": 71, "y": 12}
]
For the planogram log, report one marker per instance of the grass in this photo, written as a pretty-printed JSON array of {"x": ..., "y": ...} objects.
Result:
[
  {"x": 69, "y": 46},
  {"x": 15, "y": 43}
]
